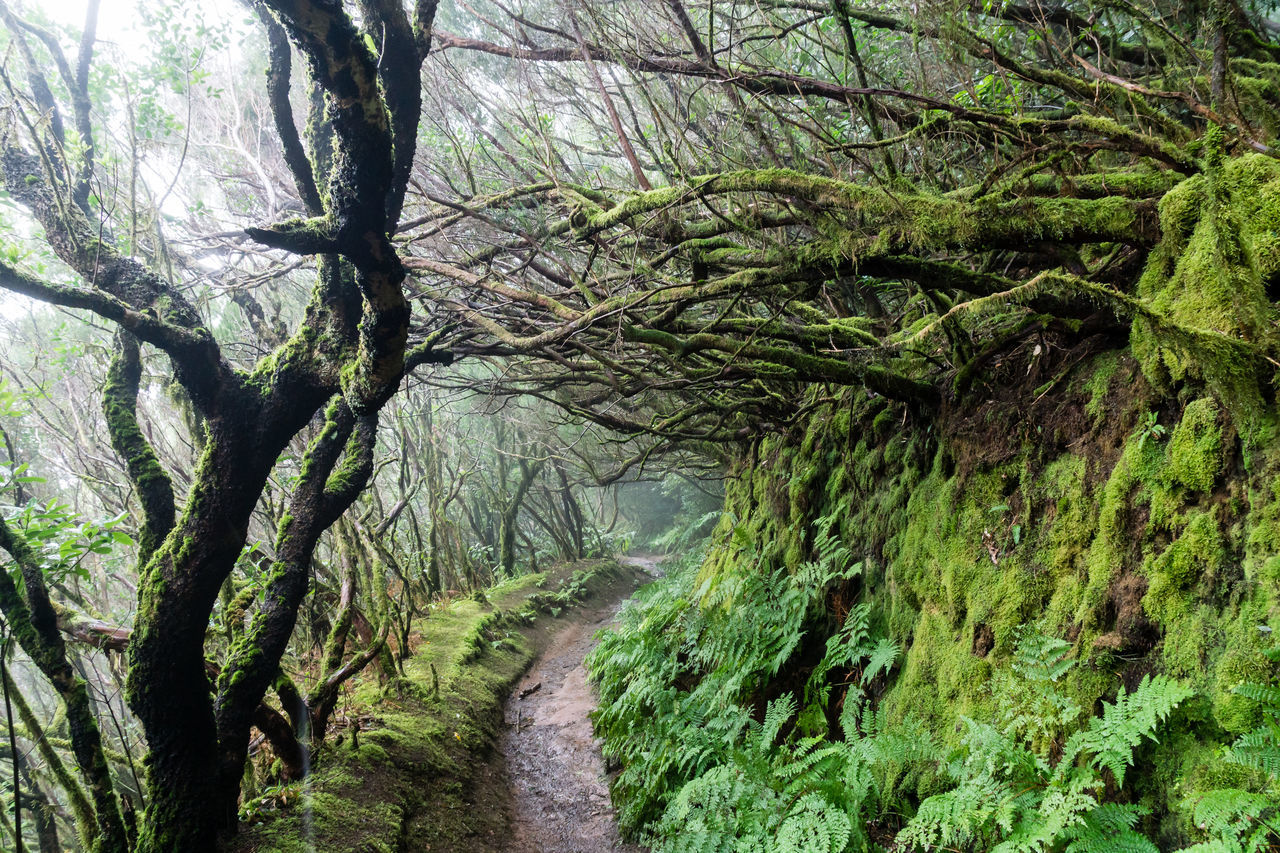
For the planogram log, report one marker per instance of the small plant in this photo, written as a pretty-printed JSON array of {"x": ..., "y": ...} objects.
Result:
[
  {"x": 1009, "y": 797},
  {"x": 1241, "y": 820},
  {"x": 1150, "y": 430},
  {"x": 272, "y": 798}
]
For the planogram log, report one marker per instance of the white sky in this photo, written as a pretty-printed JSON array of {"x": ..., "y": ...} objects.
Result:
[
  {"x": 117, "y": 19},
  {"x": 114, "y": 16},
  {"x": 119, "y": 25}
]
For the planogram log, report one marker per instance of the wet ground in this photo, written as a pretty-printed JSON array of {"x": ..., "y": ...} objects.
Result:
[{"x": 559, "y": 796}]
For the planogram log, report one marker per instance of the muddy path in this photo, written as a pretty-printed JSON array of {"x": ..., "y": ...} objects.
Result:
[{"x": 556, "y": 783}]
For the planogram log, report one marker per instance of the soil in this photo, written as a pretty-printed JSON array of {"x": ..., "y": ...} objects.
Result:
[{"x": 556, "y": 779}]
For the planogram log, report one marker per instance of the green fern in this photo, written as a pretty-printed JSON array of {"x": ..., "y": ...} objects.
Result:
[
  {"x": 1032, "y": 705},
  {"x": 881, "y": 659},
  {"x": 814, "y": 825},
  {"x": 1040, "y": 658},
  {"x": 1260, "y": 748},
  {"x": 1242, "y": 820},
  {"x": 702, "y": 770},
  {"x": 1109, "y": 828},
  {"x": 834, "y": 560},
  {"x": 1124, "y": 724},
  {"x": 1009, "y": 799},
  {"x": 1217, "y": 845},
  {"x": 776, "y": 715}
]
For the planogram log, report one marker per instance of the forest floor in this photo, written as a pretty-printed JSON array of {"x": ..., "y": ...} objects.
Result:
[
  {"x": 439, "y": 767},
  {"x": 556, "y": 779}
]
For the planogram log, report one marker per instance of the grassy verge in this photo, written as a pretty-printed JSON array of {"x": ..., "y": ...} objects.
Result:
[{"x": 407, "y": 779}]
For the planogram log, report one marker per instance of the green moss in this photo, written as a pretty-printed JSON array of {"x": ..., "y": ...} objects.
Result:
[
  {"x": 1243, "y": 662},
  {"x": 1110, "y": 546},
  {"x": 1098, "y": 384},
  {"x": 1195, "y": 557},
  {"x": 1209, "y": 273},
  {"x": 1195, "y": 447},
  {"x": 941, "y": 680},
  {"x": 1192, "y": 635}
]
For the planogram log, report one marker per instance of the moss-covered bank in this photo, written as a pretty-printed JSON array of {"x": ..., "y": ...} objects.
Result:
[
  {"x": 399, "y": 772},
  {"x": 1139, "y": 530}
]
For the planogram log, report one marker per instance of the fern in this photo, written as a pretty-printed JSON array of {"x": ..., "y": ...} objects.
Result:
[
  {"x": 834, "y": 560},
  {"x": 814, "y": 825},
  {"x": 1109, "y": 828},
  {"x": 1128, "y": 721},
  {"x": 1260, "y": 748},
  {"x": 681, "y": 677},
  {"x": 1040, "y": 658},
  {"x": 1032, "y": 705},
  {"x": 678, "y": 677},
  {"x": 776, "y": 716},
  {"x": 1009, "y": 799},
  {"x": 881, "y": 659},
  {"x": 1217, "y": 845},
  {"x": 1240, "y": 820}
]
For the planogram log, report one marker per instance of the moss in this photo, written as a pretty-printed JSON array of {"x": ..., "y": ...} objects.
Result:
[
  {"x": 419, "y": 743},
  {"x": 941, "y": 680},
  {"x": 1195, "y": 557},
  {"x": 1098, "y": 384},
  {"x": 1110, "y": 545},
  {"x": 1209, "y": 273},
  {"x": 1242, "y": 662},
  {"x": 1192, "y": 635},
  {"x": 1195, "y": 447}
]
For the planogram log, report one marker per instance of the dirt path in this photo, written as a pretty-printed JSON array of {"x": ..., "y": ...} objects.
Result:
[{"x": 556, "y": 778}]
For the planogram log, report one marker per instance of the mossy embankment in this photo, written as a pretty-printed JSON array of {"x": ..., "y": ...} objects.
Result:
[
  {"x": 400, "y": 770},
  {"x": 1067, "y": 497},
  {"x": 1085, "y": 507}
]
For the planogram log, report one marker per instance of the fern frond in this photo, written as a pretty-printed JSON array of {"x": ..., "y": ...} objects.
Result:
[
  {"x": 882, "y": 659},
  {"x": 776, "y": 715},
  {"x": 1259, "y": 749},
  {"x": 1132, "y": 718},
  {"x": 1230, "y": 813},
  {"x": 1109, "y": 828},
  {"x": 958, "y": 818},
  {"x": 1217, "y": 845},
  {"x": 1265, "y": 694},
  {"x": 1040, "y": 658},
  {"x": 813, "y": 826}
]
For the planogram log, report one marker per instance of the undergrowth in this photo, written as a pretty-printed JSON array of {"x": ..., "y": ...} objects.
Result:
[{"x": 737, "y": 730}]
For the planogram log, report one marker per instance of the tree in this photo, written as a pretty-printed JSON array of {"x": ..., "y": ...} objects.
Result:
[
  {"x": 899, "y": 236},
  {"x": 344, "y": 359}
]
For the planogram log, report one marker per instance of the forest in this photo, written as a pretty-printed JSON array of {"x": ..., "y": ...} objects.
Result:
[{"x": 932, "y": 344}]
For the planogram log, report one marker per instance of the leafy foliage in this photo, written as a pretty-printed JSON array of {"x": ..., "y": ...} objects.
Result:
[
  {"x": 1260, "y": 748},
  {"x": 63, "y": 540},
  {"x": 1247, "y": 821},
  {"x": 1010, "y": 798},
  {"x": 677, "y": 680}
]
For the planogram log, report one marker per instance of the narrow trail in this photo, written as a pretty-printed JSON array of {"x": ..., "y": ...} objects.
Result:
[{"x": 559, "y": 796}]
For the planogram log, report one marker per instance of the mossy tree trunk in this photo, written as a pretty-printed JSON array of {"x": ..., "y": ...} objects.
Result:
[{"x": 509, "y": 515}]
